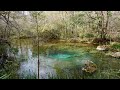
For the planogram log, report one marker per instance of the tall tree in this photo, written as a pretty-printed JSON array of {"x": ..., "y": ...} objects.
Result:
[{"x": 38, "y": 17}]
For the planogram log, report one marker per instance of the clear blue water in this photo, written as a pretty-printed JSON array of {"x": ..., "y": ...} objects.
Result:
[
  {"x": 61, "y": 56},
  {"x": 68, "y": 61},
  {"x": 69, "y": 56}
]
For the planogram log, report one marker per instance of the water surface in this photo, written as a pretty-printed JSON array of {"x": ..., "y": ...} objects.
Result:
[{"x": 55, "y": 60}]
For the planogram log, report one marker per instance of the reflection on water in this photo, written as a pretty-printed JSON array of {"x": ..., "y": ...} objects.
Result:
[
  {"x": 62, "y": 59},
  {"x": 29, "y": 65}
]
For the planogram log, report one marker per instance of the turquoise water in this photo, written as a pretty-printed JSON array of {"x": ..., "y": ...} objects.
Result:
[
  {"x": 50, "y": 59},
  {"x": 63, "y": 60},
  {"x": 61, "y": 56}
]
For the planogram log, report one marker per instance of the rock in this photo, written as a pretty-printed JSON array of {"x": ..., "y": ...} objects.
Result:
[
  {"x": 89, "y": 67},
  {"x": 109, "y": 53},
  {"x": 116, "y": 55},
  {"x": 102, "y": 48}
]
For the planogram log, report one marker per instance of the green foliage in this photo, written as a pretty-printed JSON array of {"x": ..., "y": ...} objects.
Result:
[
  {"x": 49, "y": 35},
  {"x": 14, "y": 50},
  {"x": 109, "y": 13},
  {"x": 3, "y": 49},
  {"x": 53, "y": 27},
  {"x": 34, "y": 76},
  {"x": 88, "y": 35},
  {"x": 115, "y": 46},
  {"x": 38, "y": 14},
  {"x": 77, "y": 19},
  {"x": 10, "y": 69},
  {"x": 10, "y": 66},
  {"x": 5, "y": 76}
]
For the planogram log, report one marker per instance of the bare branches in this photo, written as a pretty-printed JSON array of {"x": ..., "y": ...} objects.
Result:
[{"x": 89, "y": 15}]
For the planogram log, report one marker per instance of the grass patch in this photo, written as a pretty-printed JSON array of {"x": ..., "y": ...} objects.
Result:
[{"x": 115, "y": 46}]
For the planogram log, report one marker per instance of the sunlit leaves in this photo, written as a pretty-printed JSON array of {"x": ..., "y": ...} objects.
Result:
[{"x": 77, "y": 19}]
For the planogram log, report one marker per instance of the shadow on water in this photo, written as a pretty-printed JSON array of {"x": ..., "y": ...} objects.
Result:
[{"x": 60, "y": 61}]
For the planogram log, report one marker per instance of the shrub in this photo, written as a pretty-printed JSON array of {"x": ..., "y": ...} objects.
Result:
[
  {"x": 74, "y": 40},
  {"x": 101, "y": 41},
  {"x": 50, "y": 35},
  {"x": 88, "y": 35},
  {"x": 115, "y": 45}
]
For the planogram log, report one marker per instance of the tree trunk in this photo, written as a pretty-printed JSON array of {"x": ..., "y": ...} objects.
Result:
[{"x": 38, "y": 41}]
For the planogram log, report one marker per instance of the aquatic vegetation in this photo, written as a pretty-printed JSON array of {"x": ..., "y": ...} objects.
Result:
[
  {"x": 5, "y": 76},
  {"x": 67, "y": 73},
  {"x": 14, "y": 50},
  {"x": 10, "y": 70},
  {"x": 8, "y": 64},
  {"x": 28, "y": 76},
  {"x": 60, "y": 61}
]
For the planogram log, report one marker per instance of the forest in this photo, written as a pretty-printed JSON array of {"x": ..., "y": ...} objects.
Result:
[{"x": 59, "y": 44}]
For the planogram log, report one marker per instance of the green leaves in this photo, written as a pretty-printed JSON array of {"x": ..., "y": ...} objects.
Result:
[
  {"x": 77, "y": 19},
  {"x": 88, "y": 35},
  {"x": 5, "y": 76},
  {"x": 109, "y": 13},
  {"x": 38, "y": 14}
]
